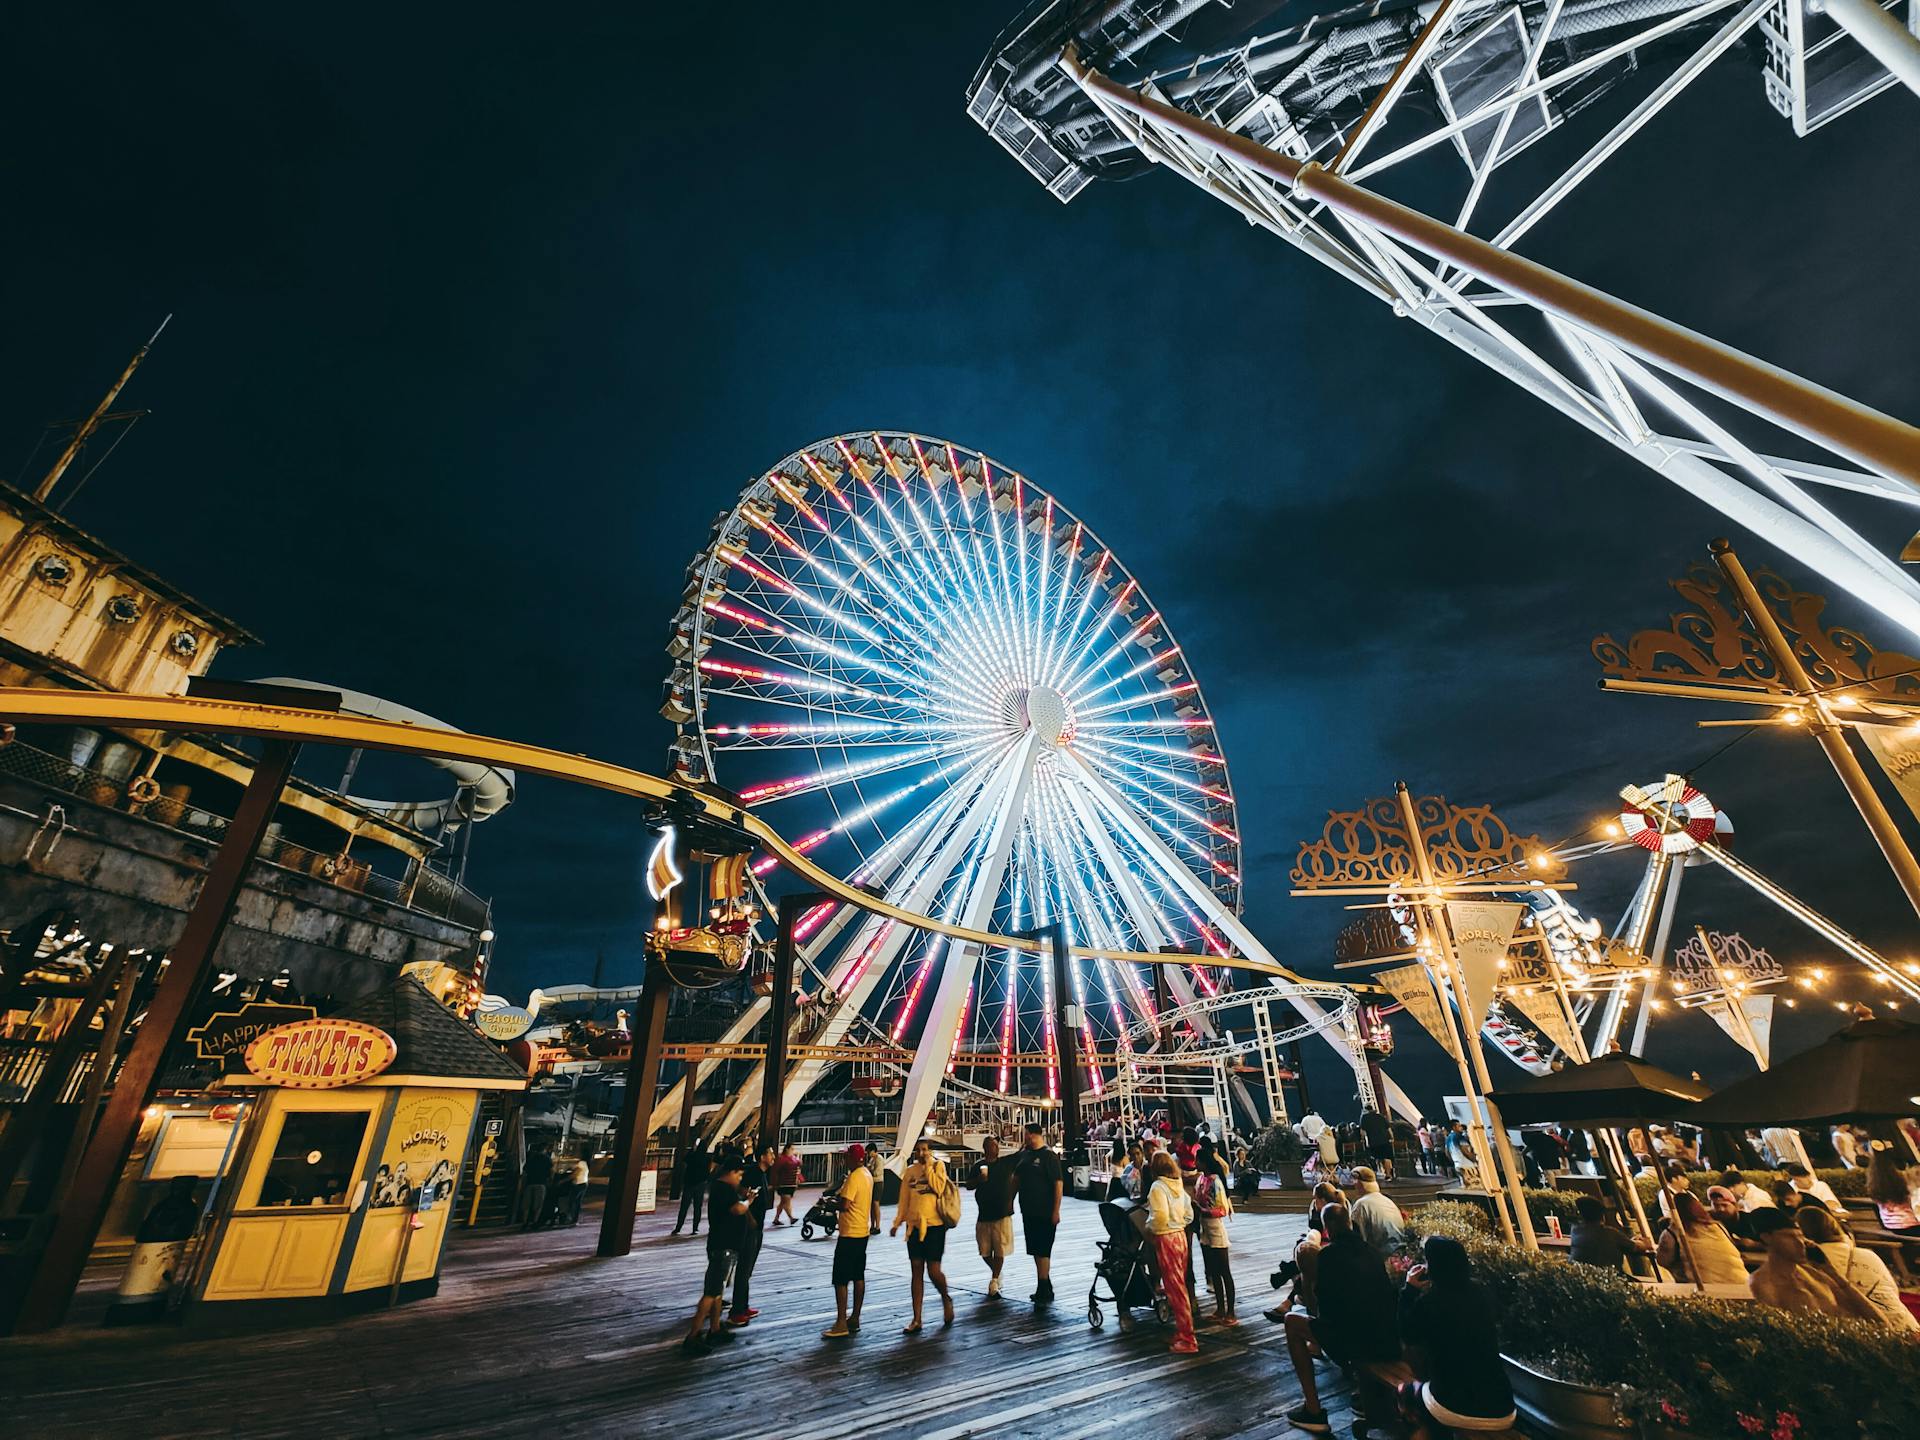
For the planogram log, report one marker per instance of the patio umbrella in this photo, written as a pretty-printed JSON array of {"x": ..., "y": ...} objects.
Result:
[
  {"x": 1869, "y": 1071},
  {"x": 1613, "y": 1090}
]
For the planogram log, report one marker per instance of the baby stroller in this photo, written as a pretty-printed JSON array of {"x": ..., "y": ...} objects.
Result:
[
  {"x": 1124, "y": 1267},
  {"x": 823, "y": 1215}
]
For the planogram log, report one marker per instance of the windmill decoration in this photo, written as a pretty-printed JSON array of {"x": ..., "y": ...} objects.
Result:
[
  {"x": 1671, "y": 822},
  {"x": 1720, "y": 973}
]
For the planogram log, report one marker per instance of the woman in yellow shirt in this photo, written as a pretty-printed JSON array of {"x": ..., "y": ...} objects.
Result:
[
  {"x": 1169, "y": 1212},
  {"x": 921, "y": 1187}
]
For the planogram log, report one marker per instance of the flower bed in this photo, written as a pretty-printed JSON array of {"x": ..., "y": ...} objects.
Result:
[{"x": 1706, "y": 1366}]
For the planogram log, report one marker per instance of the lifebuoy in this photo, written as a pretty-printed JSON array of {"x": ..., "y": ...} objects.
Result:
[{"x": 143, "y": 790}]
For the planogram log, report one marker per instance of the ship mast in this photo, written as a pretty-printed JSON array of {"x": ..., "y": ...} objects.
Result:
[{"x": 93, "y": 422}]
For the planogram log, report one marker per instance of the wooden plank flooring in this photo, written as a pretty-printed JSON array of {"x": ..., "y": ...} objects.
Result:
[{"x": 535, "y": 1335}]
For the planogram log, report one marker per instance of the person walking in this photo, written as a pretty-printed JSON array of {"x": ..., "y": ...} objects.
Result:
[
  {"x": 925, "y": 1191},
  {"x": 786, "y": 1180},
  {"x": 859, "y": 1218},
  {"x": 1039, "y": 1183},
  {"x": 534, "y": 1180},
  {"x": 1169, "y": 1212},
  {"x": 695, "y": 1167},
  {"x": 993, "y": 1209},
  {"x": 755, "y": 1181}
]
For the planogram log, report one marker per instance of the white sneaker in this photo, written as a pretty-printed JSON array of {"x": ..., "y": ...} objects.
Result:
[{"x": 993, "y": 1286}]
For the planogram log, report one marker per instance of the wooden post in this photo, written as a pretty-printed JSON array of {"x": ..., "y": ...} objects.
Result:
[
  {"x": 188, "y": 964},
  {"x": 1067, "y": 1033},
  {"x": 630, "y": 1142},
  {"x": 773, "y": 1073},
  {"x": 683, "y": 1136},
  {"x": 30, "y": 1119},
  {"x": 97, "y": 1078}
]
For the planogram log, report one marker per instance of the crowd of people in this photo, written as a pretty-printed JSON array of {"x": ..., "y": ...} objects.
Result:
[
  {"x": 1788, "y": 1243},
  {"x": 1423, "y": 1346}
]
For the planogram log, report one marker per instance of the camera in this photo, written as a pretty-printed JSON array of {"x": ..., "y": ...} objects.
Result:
[{"x": 1288, "y": 1272}]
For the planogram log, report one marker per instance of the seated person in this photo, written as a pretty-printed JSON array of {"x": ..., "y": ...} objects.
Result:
[
  {"x": 1448, "y": 1326},
  {"x": 1709, "y": 1253},
  {"x": 1810, "y": 1185},
  {"x": 1863, "y": 1269},
  {"x": 1749, "y": 1197},
  {"x": 1352, "y": 1323},
  {"x": 1736, "y": 1222},
  {"x": 1794, "y": 1277},
  {"x": 1596, "y": 1240},
  {"x": 1246, "y": 1178}
]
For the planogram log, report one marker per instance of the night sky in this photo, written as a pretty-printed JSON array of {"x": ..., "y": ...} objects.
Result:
[{"x": 480, "y": 315}]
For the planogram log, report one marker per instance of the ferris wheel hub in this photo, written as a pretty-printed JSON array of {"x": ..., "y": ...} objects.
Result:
[{"x": 1045, "y": 712}]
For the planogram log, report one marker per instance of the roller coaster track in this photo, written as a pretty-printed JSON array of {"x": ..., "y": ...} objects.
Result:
[{"x": 35, "y": 705}]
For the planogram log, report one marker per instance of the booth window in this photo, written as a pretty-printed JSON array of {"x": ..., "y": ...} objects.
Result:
[{"x": 314, "y": 1159}]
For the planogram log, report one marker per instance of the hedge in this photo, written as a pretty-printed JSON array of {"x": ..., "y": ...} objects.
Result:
[{"x": 1705, "y": 1366}]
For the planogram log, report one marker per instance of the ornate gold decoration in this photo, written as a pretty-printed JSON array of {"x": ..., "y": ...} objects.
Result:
[
  {"x": 1714, "y": 641},
  {"x": 1752, "y": 964},
  {"x": 1371, "y": 846},
  {"x": 1374, "y": 936}
]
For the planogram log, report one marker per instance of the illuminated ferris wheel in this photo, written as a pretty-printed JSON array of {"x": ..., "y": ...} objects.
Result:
[{"x": 935, "y": 679}]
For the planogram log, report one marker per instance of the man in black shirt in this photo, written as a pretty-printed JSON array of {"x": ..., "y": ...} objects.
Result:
[
  {"x": 727, "y": 1202},
  {"x": 754, "y": 1180},
  {"x": 1353, "y": 1323},
  {"x": 533, "y": 1186},
  {"x": 695, "y": 1166},
  {"x": 1596, "y": 1240},
  {"x": 1039, "y": 1182},
  {"x": 993, "y": 1197}
]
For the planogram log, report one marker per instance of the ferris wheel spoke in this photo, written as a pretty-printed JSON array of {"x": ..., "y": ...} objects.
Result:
[
  {"x": 1193, "y": 784},
  {"x": 1109, "y": 932},
  {"x": 1166, "y": 826},
  {"x": 767, "y": 792}
]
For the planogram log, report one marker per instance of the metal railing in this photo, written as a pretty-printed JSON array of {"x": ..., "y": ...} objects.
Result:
[
  {"x": 422, "y": 889},
  {"x": 23, "y": 1062}
]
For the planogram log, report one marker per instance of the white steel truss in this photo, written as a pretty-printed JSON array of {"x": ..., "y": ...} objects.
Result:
[{"x": 1303, "y": 132}]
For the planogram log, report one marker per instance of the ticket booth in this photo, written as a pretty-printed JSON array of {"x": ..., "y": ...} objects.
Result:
[{"x": 342, "y": 1195}]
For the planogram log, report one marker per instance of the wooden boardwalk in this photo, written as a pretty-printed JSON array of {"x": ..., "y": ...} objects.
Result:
[{"x": 533, "y": 1335}]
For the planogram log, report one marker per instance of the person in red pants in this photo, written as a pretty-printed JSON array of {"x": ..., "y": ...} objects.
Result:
[{"x": 1169, "y": 1213}]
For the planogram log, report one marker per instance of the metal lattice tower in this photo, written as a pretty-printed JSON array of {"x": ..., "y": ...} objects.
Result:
[{"x": 1310, "y": 131}]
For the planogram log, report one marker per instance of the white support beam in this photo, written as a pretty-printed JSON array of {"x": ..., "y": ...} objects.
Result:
[
  {"x": 1220, "y": 915},
  {"x": 941, "y": 1030}
]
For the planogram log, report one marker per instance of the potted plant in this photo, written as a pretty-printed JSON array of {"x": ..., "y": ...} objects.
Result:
[{"x": 1280, "y": 1153}]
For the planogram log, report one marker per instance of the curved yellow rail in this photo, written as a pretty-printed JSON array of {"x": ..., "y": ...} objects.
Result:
[{"x": 32, "y": 704}]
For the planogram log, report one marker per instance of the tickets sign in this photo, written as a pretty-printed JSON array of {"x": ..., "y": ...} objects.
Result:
[{"x": 320, "y": 1054}]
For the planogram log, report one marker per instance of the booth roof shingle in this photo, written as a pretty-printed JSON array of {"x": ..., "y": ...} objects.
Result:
[{"x": 432, "y": 1040}]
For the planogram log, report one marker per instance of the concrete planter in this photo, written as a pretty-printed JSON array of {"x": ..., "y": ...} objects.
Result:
[{"x": 1564, "y": 1410}]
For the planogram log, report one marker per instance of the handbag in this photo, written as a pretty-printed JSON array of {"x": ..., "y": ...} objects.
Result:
[{"x": 946, "y": 1200}]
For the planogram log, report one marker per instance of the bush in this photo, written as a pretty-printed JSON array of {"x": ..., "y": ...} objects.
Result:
[{"x": 1707, "y": 1366}]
